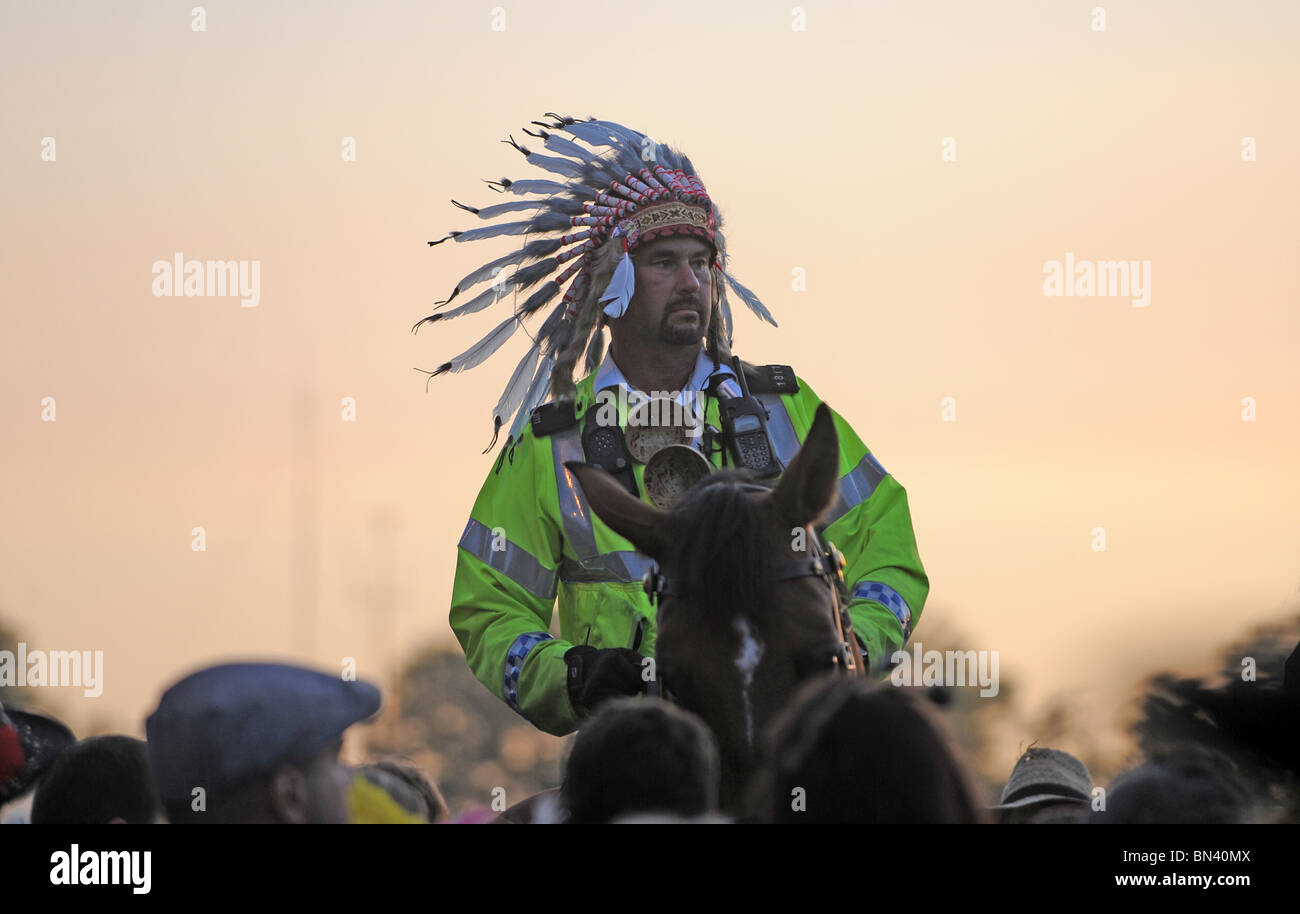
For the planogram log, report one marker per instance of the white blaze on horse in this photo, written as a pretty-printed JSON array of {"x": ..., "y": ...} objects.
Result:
[{"x": 749, "y": 605}]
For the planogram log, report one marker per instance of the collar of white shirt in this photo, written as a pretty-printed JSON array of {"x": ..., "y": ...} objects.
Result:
[{"x": 610, "y": 374}]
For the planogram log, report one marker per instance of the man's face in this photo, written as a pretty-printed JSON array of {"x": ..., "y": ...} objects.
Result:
[
  {"x": 674, "y": 292},
  {"x": 314, "y": 793},
  {"x": 329, "y": 782}
]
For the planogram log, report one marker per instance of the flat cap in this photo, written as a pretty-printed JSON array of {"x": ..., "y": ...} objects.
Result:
[
  {"x": 224, "y": 724},
  {"x": 1046, "y": 776}
]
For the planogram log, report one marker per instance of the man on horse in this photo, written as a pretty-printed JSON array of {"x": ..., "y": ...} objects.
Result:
[{"x": 647, "y": 259}]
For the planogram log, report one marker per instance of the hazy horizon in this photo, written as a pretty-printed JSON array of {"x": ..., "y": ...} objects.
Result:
[{"x": 824, "y": 148}]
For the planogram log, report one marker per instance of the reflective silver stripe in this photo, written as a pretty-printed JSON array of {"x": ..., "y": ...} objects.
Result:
[
  {"x": 857, "y": 485},
  {"x": 514, "y": 561},
  {"x": 592, "y": 566},
  {"x": 566, "y": 445},
  {"x": 780, "y": 427},
  {"x": 617, "y": 567}
]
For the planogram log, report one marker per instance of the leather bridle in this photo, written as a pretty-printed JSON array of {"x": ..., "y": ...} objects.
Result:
[{"x": 826, "y": 563}]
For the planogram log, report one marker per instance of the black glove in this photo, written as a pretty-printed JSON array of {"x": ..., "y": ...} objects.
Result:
[{"x": 596, "y": 675}]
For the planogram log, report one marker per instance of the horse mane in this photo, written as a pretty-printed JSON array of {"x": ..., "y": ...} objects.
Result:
[{"x": 718, "y": 559}]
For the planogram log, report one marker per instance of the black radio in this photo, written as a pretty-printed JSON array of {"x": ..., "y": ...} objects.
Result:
[
  {"x": 605, "y": 446},
  {"x": 744, "y": 428}
]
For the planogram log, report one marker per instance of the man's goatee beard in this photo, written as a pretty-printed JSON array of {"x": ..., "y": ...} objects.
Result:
[{"x": 680, "y": 336}]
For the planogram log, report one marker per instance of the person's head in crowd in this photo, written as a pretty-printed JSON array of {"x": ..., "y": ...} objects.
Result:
[
  {"x": 98, "y": 781},
  {"x": 29, "y": 743},
  {"x": 1047, "y": 786},
  {"x": 1191, "y": 785},
  {"x": 849, "y": 751},
  {"x": 256, "y": 743},
  {"x": 640, "y": 755},
  {"x": 408, "y": 787}
]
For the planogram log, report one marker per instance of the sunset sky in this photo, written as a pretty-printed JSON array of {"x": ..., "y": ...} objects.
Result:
[{"x": 824, "y": 149}]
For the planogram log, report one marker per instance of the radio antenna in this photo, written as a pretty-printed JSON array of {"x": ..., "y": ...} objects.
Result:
[{"x": 740, "y": 376}]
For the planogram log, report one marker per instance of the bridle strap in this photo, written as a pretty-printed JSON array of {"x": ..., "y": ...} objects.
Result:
[
  {"x": 820, "y": 564},
  {"x": 853, "y": 664},
  {"x": 815, "y": 566},
  {"x": 834, "y": 575}
]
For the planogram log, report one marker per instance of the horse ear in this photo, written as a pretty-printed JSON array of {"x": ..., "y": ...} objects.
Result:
[
  {"x": 628, "y": 516},
  {"x": 808, "y": 486}
]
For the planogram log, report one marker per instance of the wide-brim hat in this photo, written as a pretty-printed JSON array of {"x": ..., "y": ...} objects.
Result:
[{"x": 1046, "y": 776}]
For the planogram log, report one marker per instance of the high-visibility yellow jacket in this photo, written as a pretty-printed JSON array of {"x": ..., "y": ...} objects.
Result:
[{"x": 532, "y": 537}]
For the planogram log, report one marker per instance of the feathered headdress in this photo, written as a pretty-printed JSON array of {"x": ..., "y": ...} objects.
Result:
[{"x": 611, "y": 202}]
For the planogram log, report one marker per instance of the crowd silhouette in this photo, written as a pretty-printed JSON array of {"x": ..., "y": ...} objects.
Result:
[{"x": 260, "y": 743}]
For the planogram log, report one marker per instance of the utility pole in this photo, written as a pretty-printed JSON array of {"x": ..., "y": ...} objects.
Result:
[
  {"x": 306, "y": 521},
  {"x": 383, "y": 601}
]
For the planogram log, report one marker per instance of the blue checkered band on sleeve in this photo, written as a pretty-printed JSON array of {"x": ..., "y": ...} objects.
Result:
[
  {"x": 890, "y": 599},
  {"x": 515, "y": 664}
]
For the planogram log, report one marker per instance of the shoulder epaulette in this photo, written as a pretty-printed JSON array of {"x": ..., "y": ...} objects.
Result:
[
  {"x": 771, "y": 379},
  {"x": 552, "y": 417}
]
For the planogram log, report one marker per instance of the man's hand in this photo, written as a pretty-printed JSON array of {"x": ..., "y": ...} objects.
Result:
[{"x": 596, "y": 675}]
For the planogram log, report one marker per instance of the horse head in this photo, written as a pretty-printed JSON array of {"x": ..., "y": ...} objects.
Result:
[{"x": 736, "y": 638}]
